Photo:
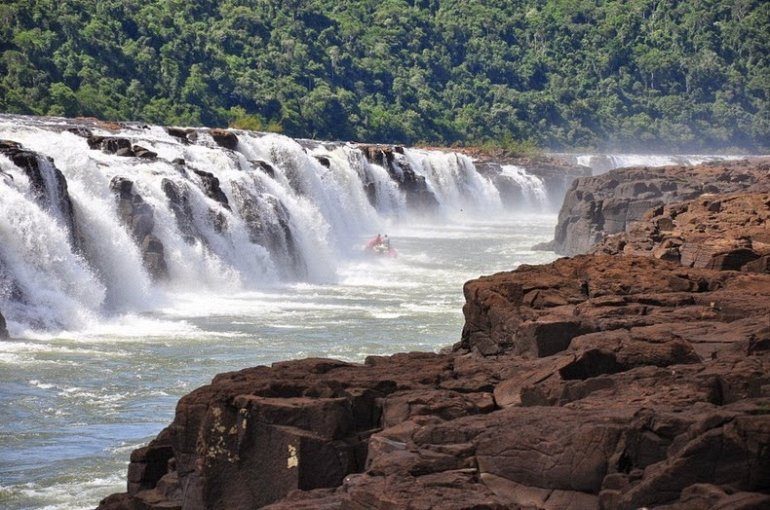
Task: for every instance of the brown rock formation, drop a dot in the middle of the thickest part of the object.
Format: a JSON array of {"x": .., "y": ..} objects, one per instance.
[
  {"x": 224, "y": 138},
  {"x": 595, "y": 382},
  {"x": 726, "y": 232},
  {"x": 595, "y": 207}
]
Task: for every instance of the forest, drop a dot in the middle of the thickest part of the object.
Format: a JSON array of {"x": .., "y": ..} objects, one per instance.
[{"x": 647, "y": 75}]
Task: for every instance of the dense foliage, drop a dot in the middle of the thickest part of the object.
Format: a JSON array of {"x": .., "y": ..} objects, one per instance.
[{"x": 654, "y": 74}]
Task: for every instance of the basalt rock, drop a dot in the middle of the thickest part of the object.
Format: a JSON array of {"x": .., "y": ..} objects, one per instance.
[
  {"x": 556, "y": 174},
  {"x": 184, "y": 135},
  {"x": 47, "y": 184},
  {"x": 724, "y": 232},
  {"x": 224, "y": 138},
  {"x": 268, "y": 224},
  {"x": 139, "y": 218},
  {"x": 391, "y": 158},
  {"x": 596, "y": 207},
  {"x": 110, "y": 144},
  {"x": 3, "y": 328},
  {"x": 211, "y": 187},
  {"x": 652, "y": 390},
  {"x": 537, "y": 311}
]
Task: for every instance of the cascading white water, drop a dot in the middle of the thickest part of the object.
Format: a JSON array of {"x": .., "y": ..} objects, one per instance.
[
  {"x": 533, "y": 188},
  {"x": 454, "y": 181},
  {"x": 602, "y": 163},
  {"x": 273, "y": 210}
]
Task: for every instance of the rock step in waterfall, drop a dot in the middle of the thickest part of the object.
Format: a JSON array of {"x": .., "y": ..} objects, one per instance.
[{"x": 100, "y": 218}]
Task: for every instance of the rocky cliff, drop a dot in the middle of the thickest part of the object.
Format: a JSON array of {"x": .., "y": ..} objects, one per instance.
[
  {"x": 595, "y": 207},
  {"x": 594, "y": 382}
]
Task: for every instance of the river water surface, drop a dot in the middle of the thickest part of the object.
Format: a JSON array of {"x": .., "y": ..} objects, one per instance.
[{"x": 74, "y": 405}]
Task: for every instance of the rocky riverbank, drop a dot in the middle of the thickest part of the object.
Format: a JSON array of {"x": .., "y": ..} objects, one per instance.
[
  {"x": 612, "y": 381},
  {"x": 595, "y": 207}
]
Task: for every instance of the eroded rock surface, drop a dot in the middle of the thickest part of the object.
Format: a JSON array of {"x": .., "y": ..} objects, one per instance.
[
  {"x": 595, "y": 207},
  {"x": 595, "y": 382},
  {"x": 726, "y": 232}
]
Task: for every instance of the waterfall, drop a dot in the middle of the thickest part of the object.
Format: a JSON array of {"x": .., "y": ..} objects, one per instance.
[
  {"x": 602, "y": 163},
  {"x": 534, "y": 196},
  {"x": 99, "y": 220}
]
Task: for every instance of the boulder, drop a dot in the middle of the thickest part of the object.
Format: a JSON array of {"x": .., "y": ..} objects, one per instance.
[
  {"x": 110, "y": 144},
  {"x": 211, "y": 187},
  {"x": 184, "y": 135},
  {"x": 141, "y": 152},
  {"x": 224, "y": 138}
]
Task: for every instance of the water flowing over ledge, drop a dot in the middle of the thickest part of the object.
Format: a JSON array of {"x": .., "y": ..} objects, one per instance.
[{"x": 101, "y": 218}]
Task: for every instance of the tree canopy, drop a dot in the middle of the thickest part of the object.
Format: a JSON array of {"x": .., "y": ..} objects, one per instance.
[{"x": 642, "y": 74}]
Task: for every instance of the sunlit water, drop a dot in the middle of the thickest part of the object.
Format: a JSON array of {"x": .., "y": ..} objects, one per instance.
[{"x": 72, "y": 407}]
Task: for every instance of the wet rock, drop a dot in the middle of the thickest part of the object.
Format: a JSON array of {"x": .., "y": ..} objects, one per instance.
[
  {"x": 419, "y": 197},
  {"x": 268, "y": 224},
  {"x": 81, "y": 131},
  {"x": 185, "y": 135},
  {"x": 224, "y": 138},
  {"x": 3, "y": 328},
  {"x": 48, "y": 185},
  {"x": 110, "y": 144},
  {"x": 179, "y": 202},
  {"x": 325, "y": 161},
  {"x": 139, "y": 218},
  {"x": 265, "y": 167},
  {"x": 211, "y": 187},
  {"x": 141, "y": 152},
  {"x": 596, "y": 207}
]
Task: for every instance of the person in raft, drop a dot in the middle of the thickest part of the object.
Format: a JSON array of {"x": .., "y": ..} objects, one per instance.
[
  {"x": 381, "y": 246},
  {"x": 373, "y": 242}
]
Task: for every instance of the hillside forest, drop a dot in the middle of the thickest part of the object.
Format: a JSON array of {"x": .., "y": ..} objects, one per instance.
[{"x": 633, "y": 74}]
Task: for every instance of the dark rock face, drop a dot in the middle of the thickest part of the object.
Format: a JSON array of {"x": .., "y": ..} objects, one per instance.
[
  {"x": 595, "y": 207},
  {"x": 268, "y": 223},
  {"x": 179, "y": 202},
  {"x": 211, "y": 187},
  {"x": 224, "y": 138},
  {"x": 418, "y": 196},
  {"x": 119, "y": 146},
  {"x": 3, "y": 328},
  {"x": 139, "y": 219},
  {"x": 724, "y": 232},
  {"x": 109, "y": 144},
  {"x": 48, "y": 185},
  {"x": 185, "y": 135},
  {"x": 608, "y": 382}
]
